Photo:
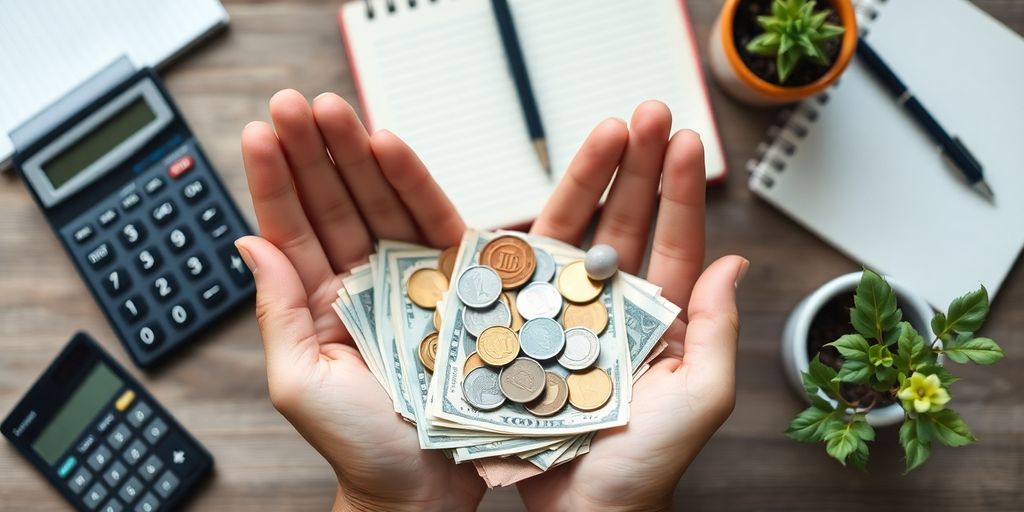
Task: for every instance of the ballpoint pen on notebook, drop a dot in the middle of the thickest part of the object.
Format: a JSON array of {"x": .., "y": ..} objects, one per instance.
[
  {"x": 950, "y": 146},
  {"x": 517, "y": 66}
]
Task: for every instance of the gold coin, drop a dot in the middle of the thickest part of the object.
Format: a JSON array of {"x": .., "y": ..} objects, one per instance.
[
  {"x": 497, "y": 345},
  {"x": 472, "y": 363},
  {"x": 576, "y": 285},
  {"x": 592, "y": 315},
  {"x": 428, "y": 351},
  {"x": 552, "y": 399},
  {"x": 509, "y": 298},
  {"x": 425, "y": 287},
  {"x": 589, "y": 390},
  {"x": 437, "y": 319},
  {"x": 446, "y": 261},
  {"x": 512, "y": 258}
]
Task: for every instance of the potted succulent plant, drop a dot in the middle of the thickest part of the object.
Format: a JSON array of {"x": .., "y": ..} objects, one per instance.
[
  {"x": 769, "y": 52},
  {"x": 884, "y": 364}
]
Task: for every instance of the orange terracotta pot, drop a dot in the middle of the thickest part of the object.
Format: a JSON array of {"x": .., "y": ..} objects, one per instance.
[{"x": 740, "y": 82}]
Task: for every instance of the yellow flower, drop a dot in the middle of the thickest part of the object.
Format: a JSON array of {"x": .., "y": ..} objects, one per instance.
[{"x": 923, "y": 394}]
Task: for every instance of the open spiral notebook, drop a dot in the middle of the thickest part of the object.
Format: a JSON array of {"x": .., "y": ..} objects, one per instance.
[
  {"x": 858, "y": 171},
  {"x": 434, "y": 73}
]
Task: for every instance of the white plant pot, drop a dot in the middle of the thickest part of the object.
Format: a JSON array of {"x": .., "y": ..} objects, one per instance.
[{"x": 794, "y": 336}]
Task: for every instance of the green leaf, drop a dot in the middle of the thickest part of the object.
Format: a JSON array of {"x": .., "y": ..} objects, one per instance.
[
  {"x": 939, "y": 324},
  {"x": 885, "y": 378},
  {"x": 863, "y": 429},
  {"x": 811, "y": 424},
  {"x": 978, "y": 350},
  {"x": 856, "y": 372},
  {"x": 879, "y": 355},
  {"x": 785, "y": 43},
  {"x": 852, "y": 347},
  {"x": 967, "y": 312},
  {"x": 950, "y": 429},
  {"x": 829, "y": 31},
  {"x": 786, "y": 62},
  {"x": 915, "y": 448},
  {"x": 859, "y": 457},
  {"x": 944, "y": 374},
  {"x": 766, "y": 44},
  {"x": 841, "y": 442},
  {"x": 821, "y": 376},
  {"x": 874, "y": 307},
  {"x": 909, "y": 348}
]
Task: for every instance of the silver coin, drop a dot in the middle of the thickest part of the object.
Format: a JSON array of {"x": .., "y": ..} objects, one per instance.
[
  {"x": 482, "y": 389},
  {"x": 542, "y": 338},
  {"x": 582, "y": 348},
  {"x": 476, "y": 320},
  {"x": 478, "y": 286},
  {"x": 545, "y": 266},
  {"x": 539, "y": 300}
]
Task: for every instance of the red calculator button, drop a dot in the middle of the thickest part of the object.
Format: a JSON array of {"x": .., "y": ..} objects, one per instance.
[{"x": 180, "y": 166}]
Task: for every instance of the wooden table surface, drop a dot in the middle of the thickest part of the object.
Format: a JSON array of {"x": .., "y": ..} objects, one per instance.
[{"x": 218, "y": 389}]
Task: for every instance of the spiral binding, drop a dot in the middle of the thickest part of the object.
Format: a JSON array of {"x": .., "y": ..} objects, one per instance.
[
  {"x": 390, "y": 6},
  {"x": 793, "y": 125}
]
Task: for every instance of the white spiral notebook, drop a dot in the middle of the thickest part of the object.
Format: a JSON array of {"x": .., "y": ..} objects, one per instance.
[
  {"x": 858, "y": 171},
  {"x": 434, "y": 72}
]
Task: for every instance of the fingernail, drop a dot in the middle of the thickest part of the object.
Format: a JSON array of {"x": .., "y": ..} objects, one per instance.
[
  {"x": 742, "y": 273},
  {"x": 246, "y": 257},
  {"x": 321, "y": 95}
]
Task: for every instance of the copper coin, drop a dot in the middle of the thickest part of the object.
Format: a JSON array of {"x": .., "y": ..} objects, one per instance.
[
  {"x": 592, "y": 315},
  {"x": 512, "y": 257},
  {"x": 589, "y": 390},
  {"x": 509, "y": 298},
  {"x": 446, "y": 261},
  {"x": 522, "y": 381},
  {"x": 497, "y": 345},
  {"x": 428, "y": 351},
  {"x": 472, "y": 363},
  {"x": 576, "y": 286},
  {"x": 554, "y": 397},
  {"x": 425, "y": 287},
  {"x": 437, "y": 319}
]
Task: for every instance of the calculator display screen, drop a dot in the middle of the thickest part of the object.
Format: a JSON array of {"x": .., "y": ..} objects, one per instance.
[
  {"x": 85, "y": 402},
  {"x": 108, "y": 135}
]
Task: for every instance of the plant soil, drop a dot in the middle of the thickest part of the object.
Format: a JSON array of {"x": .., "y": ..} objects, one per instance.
[
  {"x": 745, "y": 28},
  {"x": 830, "y": 323}
]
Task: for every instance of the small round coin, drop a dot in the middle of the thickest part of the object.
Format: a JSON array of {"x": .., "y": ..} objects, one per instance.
[
  {"x": 509, "y": 298},
  {"x": 545, "y": 266},
  {"x": 472, "y": 363},
  {"x": 554, "y": 397},
  {"x": 592, "y": 315},
  {"x": 478, "y": 286},
  {"x": 476, "y": 320},
  {"x": 513, "y": 259},
  {"x": 582, "y": 348},
  {"x": 539, "y": 300},
  {"x": 576, "y": 285},
  {"x": 497, "y": 345},
  {"x": 437, "y": 320},
  {"x": 522, "y": 381},
  {"x": 446, "y": 261},
  {"x": 428, "y": 351},
  {"x": 542, "y": 338},
  {"x": 481, "y": 389},
  {"x": 590, "y": 390},
  {"x": 425, "y": 287}
]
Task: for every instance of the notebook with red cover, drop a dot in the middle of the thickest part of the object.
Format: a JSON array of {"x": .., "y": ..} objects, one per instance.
[{"x": 434, "y": 73}]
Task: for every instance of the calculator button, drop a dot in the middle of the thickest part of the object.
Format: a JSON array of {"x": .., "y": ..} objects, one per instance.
[
  {"x": 133, "y": 308},
  {"x": 150, "y": 336},
  {"x": 195, "y": 267},
  {"x": 107, "y": 217},
  {"x": 116, "y": 282},
  {"x": 100, "y": 256},
  {"x": 163, "y": 213},
  {"x": 149, "y": 503},
  {"x": 130, "y": 201},
  {"x": 148, "y": 260},
  {"x": 88, "y": 442},
  {"x": 194, "y": 191},
  {"x": 126, "y": 399},
  {"x": 139, "y": 414},
  {"x": 132, "y": 234},
  {"x": 164, "y": 288},
  {"x": 179, "y": 239},
  {"x": 115, "y": 474},
  {"x": 213, "y": 222},
  {"x": 213, "y": 295},
  {"x": 79, "y": 480},
  {"x": 150, "y": 468},
  {"x": 130, "y": 489},
  {"x": 66, "y": 467},
  {"x": 156, "y": 429},
  {"x": 105, "y": 423},
  {"x": 112, "y": 506},
  {"x": 83, "y": 233},
  {"x": 235, "y": 266},
  {"x": 167, "y": 484},
  {"x": 181, "y": 315},
  {"x": 96, "y": 494},
  {"x": 135, "y": 451},
  {"x": 119, "y": 436},
  {"x": 99, "y": 457},
  {"x": 154, "y": 185},
  {"x": 180, "y": 166}
]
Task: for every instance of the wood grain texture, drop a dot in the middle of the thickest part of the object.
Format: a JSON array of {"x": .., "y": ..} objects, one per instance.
[{"x": 218, "y": 388}]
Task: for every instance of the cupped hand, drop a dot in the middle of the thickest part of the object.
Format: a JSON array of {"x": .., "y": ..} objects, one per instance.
[
  {"x": 323, "y": 191},
  {"x": 689, "y": 390}
]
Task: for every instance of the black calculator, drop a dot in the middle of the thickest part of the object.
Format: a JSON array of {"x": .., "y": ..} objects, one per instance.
[
  {"x": 140, "y": 211},
  {"x": 101, "y": 439}
]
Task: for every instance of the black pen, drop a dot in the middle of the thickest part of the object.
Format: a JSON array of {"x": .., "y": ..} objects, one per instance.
[
  {"x": 514, "y": 54},
  {"x": 950, "y": 146}
]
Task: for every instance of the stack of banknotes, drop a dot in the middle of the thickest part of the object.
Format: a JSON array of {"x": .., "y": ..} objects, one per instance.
[{"x": 417, "y": 316}]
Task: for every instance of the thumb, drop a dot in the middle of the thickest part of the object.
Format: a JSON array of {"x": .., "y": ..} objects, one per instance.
[{"x": 713, "y": 330}]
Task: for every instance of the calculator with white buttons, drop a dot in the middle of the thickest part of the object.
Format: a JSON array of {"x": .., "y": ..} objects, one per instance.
[
  {"x": 141, "y": 213},
  {"x": 104, "y": 442}
]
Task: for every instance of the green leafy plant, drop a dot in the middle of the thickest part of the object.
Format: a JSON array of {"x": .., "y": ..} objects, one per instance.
[
  {"x": 888, "y": 354},
  {"x": 794, "y": 31}
]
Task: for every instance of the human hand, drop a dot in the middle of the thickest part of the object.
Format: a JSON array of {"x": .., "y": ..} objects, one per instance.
[
  {"x": 689, "y": 390},
  {"x": 323, "y": 191}
]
